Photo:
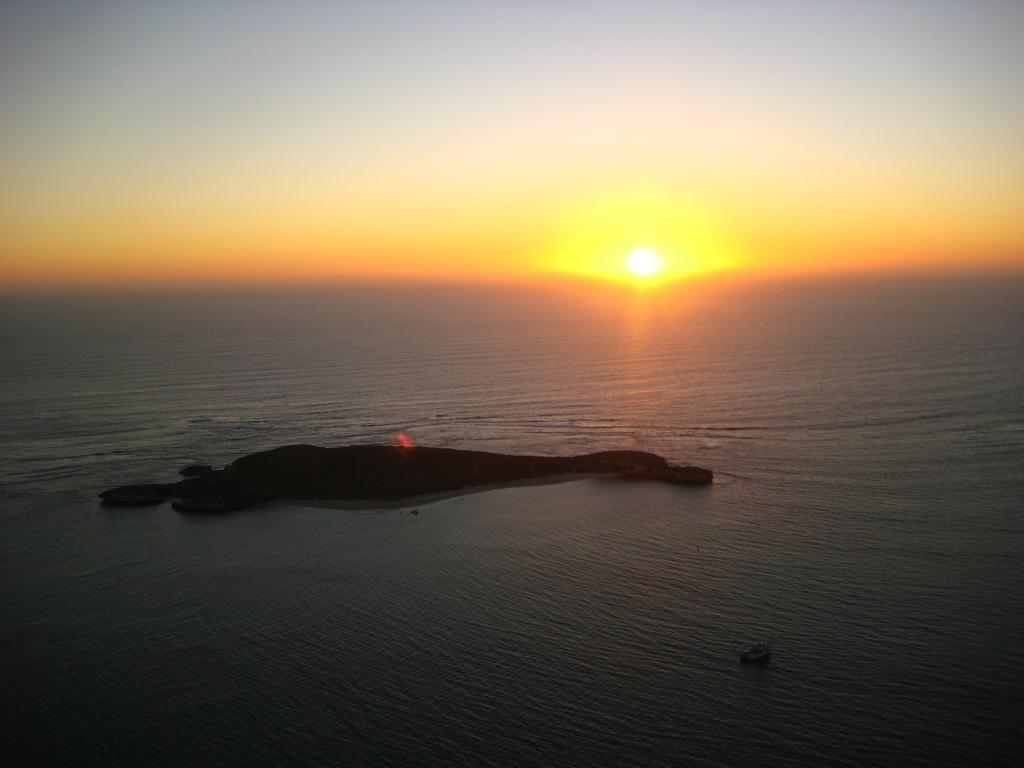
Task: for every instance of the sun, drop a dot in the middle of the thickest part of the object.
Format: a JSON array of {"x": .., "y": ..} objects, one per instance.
[{"x": 643, "y": 262}]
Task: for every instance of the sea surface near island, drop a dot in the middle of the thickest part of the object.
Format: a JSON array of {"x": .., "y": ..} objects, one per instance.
[{"x": 867, "y": 518}]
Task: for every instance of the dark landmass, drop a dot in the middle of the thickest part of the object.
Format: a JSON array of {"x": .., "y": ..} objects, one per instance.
[
  {"x": 377, "y": 472},
  {"x": 196, "y": 470}
]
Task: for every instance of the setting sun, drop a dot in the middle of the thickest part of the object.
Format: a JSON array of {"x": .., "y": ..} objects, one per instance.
[
  {"x": 643, "y": 262},
  {"x": 639, "y": 236}
]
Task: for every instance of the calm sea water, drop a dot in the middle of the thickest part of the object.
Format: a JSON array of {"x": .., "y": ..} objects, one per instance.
[{"x": 868, "y": 440}]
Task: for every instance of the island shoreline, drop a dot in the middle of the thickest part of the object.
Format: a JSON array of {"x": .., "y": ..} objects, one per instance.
[
  {"x": 423, "y": 500},
  {"x": 380, "y": 476}
]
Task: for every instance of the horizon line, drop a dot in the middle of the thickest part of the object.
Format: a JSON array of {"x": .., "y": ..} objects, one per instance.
[{"x": 524, "y": 280}]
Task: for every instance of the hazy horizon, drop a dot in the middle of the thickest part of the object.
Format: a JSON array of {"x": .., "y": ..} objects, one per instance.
[{"x": 580, "y": 283}]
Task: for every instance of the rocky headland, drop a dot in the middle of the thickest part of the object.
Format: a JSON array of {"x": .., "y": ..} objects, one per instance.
[{"x": 363, "y": 473}]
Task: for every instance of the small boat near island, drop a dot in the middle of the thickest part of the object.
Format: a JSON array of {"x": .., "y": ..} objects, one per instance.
[{"x": 758, "y": 652}]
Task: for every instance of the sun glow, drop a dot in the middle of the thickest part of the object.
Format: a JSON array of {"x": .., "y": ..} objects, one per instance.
[
  {"x": 643, "y": 262},
  {"x": 642, "y": 237}
]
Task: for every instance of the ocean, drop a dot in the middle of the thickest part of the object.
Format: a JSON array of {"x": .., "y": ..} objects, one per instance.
[{"x": 867, "y": 518}]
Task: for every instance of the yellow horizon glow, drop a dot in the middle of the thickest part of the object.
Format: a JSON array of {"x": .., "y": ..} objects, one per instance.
[
  {"x": 501, "y": 235},
  {"x": 680, "y": 240}
]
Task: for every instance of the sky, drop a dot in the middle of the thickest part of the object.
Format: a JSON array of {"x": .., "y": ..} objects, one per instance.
[{"x": 299, "y": 140}]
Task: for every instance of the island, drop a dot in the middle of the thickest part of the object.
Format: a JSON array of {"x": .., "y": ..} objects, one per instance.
[{"x": 382, "y": 473}]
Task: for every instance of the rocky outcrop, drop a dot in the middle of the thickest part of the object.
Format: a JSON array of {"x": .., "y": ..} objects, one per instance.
[
  {"x": 376, "y": 472},
  {"x": 136, "y": 495},
  {"x": 196, "y": 470}
]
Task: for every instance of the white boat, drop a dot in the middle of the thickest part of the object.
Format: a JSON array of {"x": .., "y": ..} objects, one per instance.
[{"x": 759, "y": 652}]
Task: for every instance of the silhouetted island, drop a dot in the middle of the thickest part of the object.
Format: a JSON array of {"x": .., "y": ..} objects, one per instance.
[{"x": 383, "y": 473}]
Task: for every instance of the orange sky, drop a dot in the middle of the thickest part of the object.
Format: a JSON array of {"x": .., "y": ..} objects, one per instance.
[{"x": 305, "y": 141}]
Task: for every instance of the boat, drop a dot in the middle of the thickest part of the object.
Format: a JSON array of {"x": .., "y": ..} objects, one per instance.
[{"x": 759, "y": 652}]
